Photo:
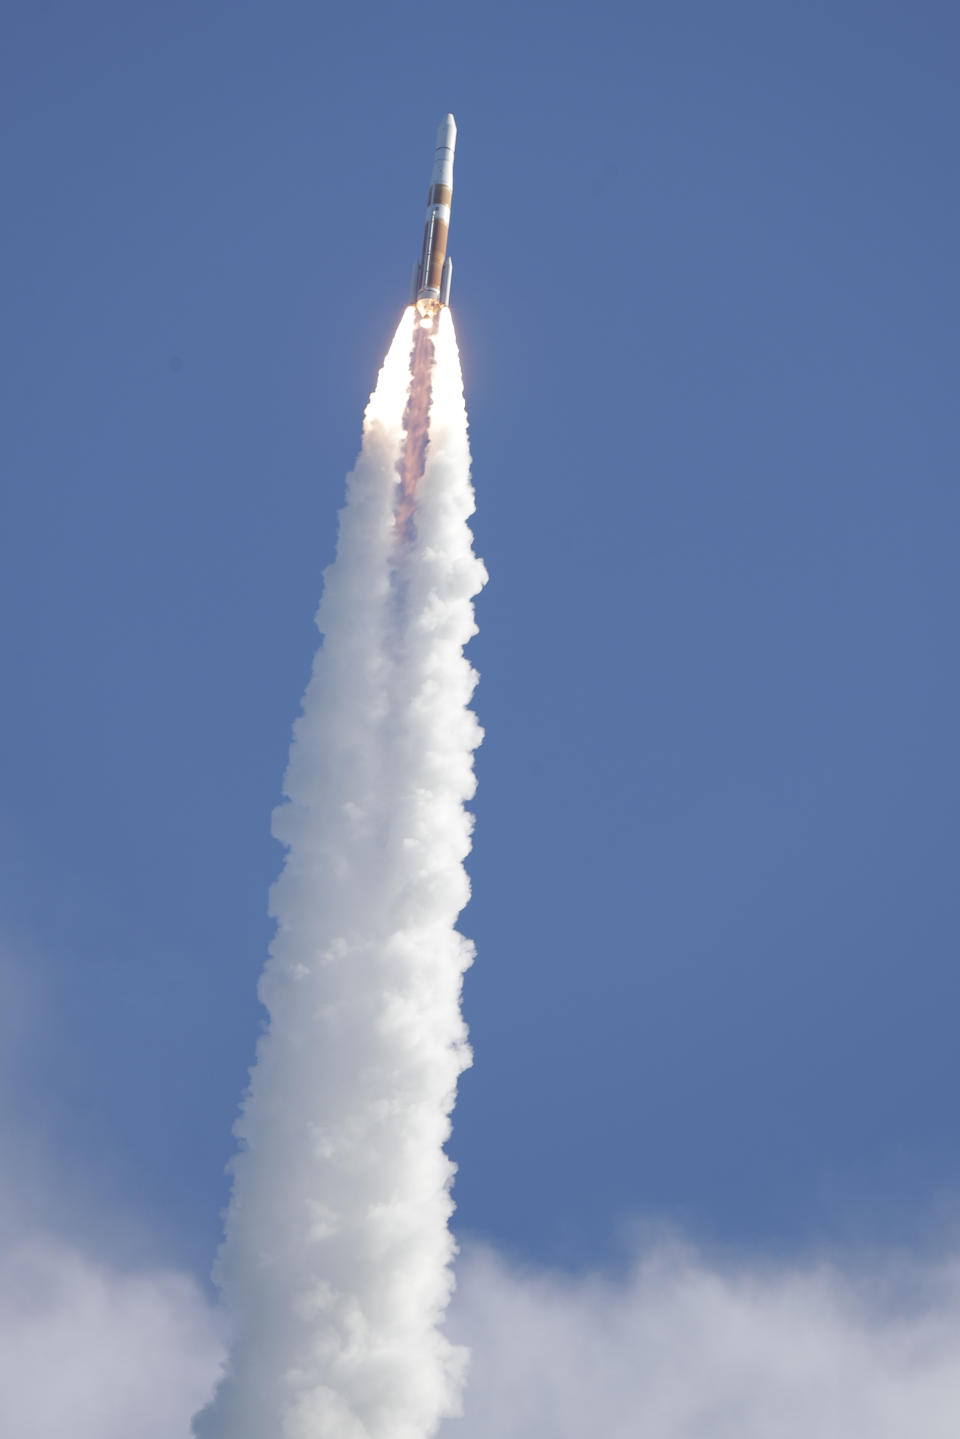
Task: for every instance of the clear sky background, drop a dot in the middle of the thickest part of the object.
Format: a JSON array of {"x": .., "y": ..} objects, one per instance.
[{"x": 706, "y": 294}]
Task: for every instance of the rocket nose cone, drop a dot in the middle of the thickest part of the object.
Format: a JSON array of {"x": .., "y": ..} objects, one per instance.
[{"x": 447, "y": 132}]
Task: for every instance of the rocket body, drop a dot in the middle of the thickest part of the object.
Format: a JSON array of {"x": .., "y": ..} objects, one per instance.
[{"x": 433, "y": 273}]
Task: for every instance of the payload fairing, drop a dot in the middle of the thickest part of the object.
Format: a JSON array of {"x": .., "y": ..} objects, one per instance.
[{"x": 434, "y": 271}]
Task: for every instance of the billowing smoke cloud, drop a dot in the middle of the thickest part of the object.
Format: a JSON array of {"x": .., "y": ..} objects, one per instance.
[
  {"x": 336, "y": 1263},
  {"x": 679, "y": 1348}
]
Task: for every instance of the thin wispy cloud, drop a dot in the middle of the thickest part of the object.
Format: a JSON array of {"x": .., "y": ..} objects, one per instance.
[{"x": 682, "y": 1348}]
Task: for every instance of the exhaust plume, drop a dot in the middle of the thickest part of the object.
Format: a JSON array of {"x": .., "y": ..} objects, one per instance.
[{"x": 336, "y": 1262}]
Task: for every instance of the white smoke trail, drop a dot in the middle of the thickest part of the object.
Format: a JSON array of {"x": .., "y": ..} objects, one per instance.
[{"x": 336, "y": 1260}]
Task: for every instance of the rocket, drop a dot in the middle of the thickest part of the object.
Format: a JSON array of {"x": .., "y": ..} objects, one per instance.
[{"x": 434, "y": 270}]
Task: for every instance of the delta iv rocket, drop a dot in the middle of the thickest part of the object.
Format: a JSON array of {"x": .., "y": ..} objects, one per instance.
[{"x": 434, "y": 270}]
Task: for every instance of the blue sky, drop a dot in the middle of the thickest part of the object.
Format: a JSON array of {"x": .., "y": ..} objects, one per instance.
[{"x": 705, "y": 289}]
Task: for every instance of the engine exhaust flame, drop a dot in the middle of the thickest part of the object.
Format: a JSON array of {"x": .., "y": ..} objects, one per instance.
[{"x": 415, "y": 422}]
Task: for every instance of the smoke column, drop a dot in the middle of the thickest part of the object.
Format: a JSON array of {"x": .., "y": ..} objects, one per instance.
[{"x": 335, "y": 1265}]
